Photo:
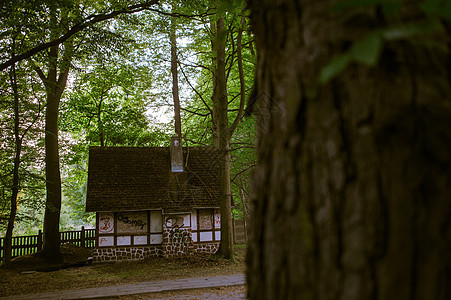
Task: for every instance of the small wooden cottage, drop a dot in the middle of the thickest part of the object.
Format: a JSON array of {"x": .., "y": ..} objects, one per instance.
[{"x": 149, "y": 205}]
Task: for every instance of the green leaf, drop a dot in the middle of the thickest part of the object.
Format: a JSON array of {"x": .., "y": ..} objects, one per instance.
[
  {"x": 411, "y": 29},
  {"x": 337, "y": 65},
  {"x": 226, "y": 6},
  {"x": 367, "y": 51}
]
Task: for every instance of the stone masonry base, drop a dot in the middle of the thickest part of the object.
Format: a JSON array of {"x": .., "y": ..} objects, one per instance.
[
  {"x": 143, "y": 252},
  {"x": 126, "y": 253}
]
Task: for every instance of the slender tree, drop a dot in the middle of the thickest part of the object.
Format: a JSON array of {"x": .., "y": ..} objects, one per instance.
[
  {"x": 220, "y": 107},
  {"x": 7, "y": 247},
  {"x": 59, "y": 57},
  {"x": 202, "y": 111},
  {"x": 55, "y": 82},
  {"x": 23, "y": 119},
  {"x": 219, "y": 110},
  {"x": 222, "y": 133},
  {"x": 174, "y": 72},
  {"x": 225, "y": 46},
  {"x": 351, "y": 195}
]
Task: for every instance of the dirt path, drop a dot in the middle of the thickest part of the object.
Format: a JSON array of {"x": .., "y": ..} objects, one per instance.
[
  {"x": 222, "y": 293},
  {"x": 13, "y": 282},
  {"x": 187, "y": 286}
]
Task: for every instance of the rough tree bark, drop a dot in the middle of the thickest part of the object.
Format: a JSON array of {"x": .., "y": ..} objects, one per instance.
[{"x": 351, "y": 198}]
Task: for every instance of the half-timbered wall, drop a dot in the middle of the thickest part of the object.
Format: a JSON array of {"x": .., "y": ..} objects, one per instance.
[
  {"x": 206, "y": 226},
  {"x": 140, "y": 234},
  {"x": 139, "y": 228}
]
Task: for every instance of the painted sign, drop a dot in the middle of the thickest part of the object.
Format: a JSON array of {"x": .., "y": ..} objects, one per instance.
[
  {"x": 132, "y": 222},
  {"x": 177, "y": 221},
  {"x": 123, "y": 240},
  {"x": 106, "y": 223},
  {"x": 105, "y": 241},
  {"x": 217, "y": 219},
  {"x": 205, "y": 219}
]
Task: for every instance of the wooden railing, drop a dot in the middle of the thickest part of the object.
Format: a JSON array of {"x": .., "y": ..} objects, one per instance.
[
  {"x": 23, "y": 245},
  {"x": 85, "y": 238}
]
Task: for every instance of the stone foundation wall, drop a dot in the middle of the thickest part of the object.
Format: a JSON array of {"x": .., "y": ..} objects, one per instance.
[
  {"x": 206, "y": 247},
  {"x": 178, "y": 242},
  {"x": 175, "y": 243},
  {"x": 126, "y": 253}
]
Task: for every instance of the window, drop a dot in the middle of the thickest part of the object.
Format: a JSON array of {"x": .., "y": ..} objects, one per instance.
[
  {"x": 129, "y": 228},
  {"x": 156, "y": 227},
  {"x": 205, "y": 219},
  {"x": 207, "y": 226}
]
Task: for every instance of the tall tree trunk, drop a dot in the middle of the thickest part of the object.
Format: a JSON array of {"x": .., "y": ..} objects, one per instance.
[
  {"x": 222, "y": 133},
  {"x": 51, "y": 240},
  {"x": 55, "y": 83},
  {"x": 220, "y": 109},
  {"x": 7, "y": 247},
  {"x": 351, "y": 197},
  {"x": 214, "y": 71},
  {"x": 100, "y": 122}
]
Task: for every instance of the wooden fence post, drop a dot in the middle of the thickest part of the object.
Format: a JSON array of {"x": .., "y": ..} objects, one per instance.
[
  {"x": 82, "y": 238},
  {"x": 40, "y": 240}
]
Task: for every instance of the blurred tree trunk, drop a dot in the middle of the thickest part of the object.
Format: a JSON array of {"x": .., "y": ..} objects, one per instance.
[{"x": 351, "y": 198}]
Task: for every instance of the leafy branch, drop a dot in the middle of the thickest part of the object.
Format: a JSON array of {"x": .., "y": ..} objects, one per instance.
[{"x": 88, "y": 21}]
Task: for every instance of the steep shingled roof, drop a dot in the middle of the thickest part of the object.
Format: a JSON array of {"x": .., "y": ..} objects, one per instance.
[{"x": 140, "y": 178}]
